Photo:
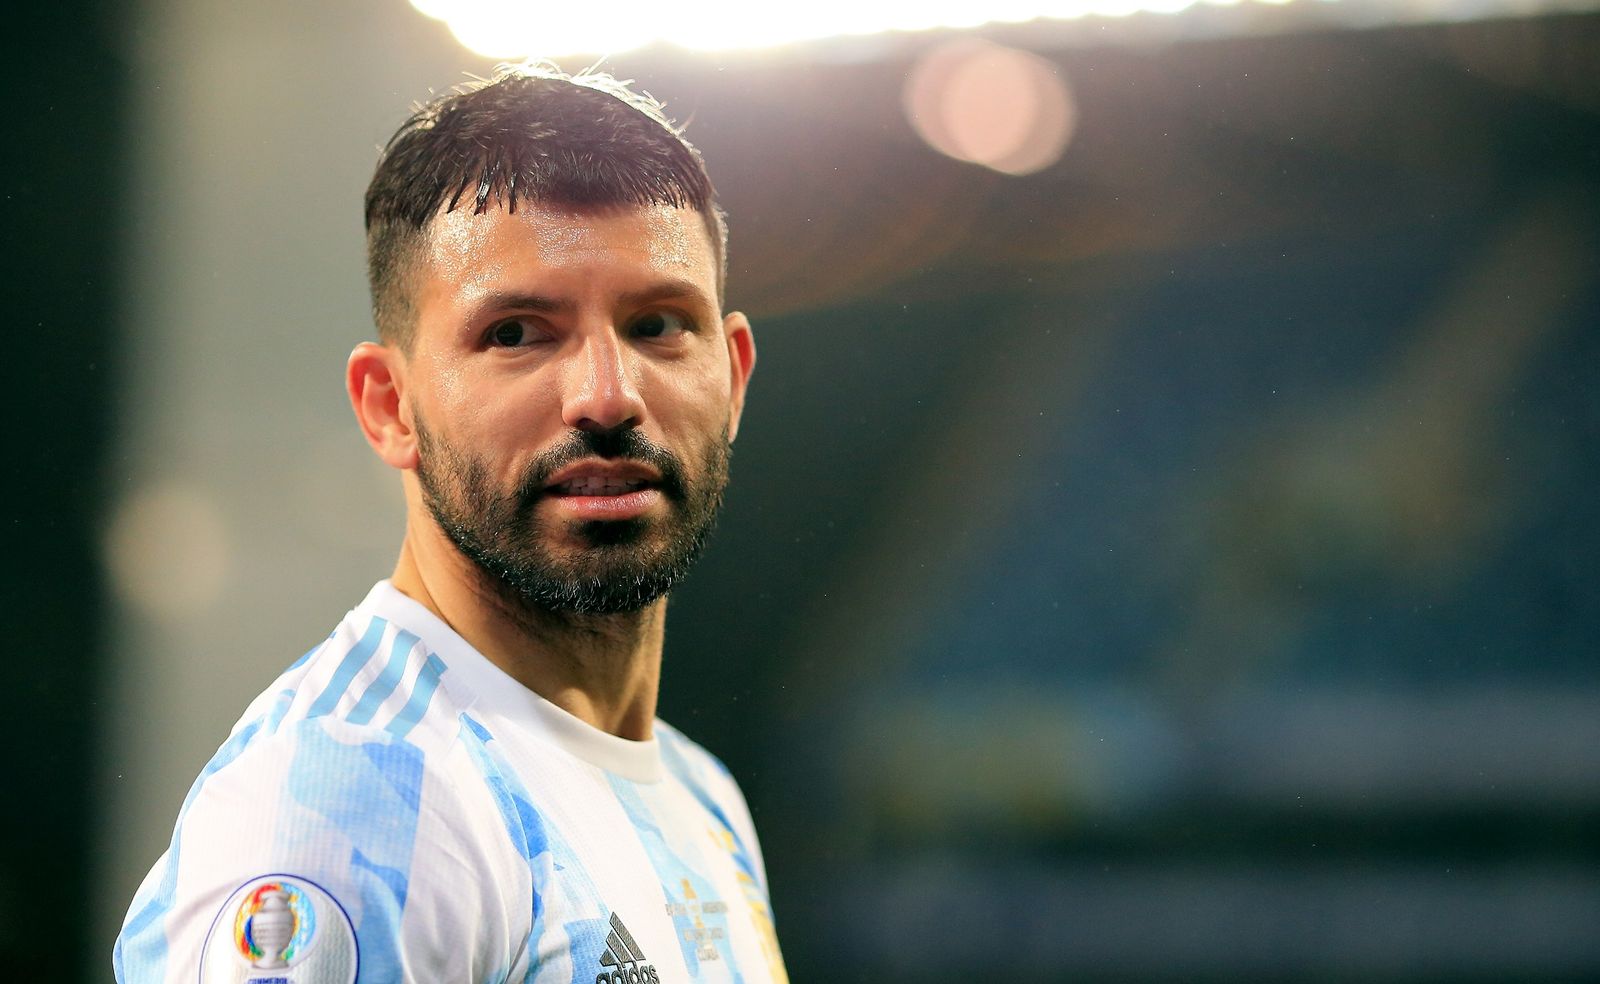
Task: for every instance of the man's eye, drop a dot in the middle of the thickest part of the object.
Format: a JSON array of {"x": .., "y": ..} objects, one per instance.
[
  {"x": 661, "y": 324},
  {"x": 512, "y": 333}
]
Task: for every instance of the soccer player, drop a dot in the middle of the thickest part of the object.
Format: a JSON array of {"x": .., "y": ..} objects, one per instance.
[{"x": 466, "y": 782}]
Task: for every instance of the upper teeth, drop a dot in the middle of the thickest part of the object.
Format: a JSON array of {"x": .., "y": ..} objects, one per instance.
[{"x": 598, "y": 485}]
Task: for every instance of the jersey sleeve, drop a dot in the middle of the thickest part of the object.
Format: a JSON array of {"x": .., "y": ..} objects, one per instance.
[{"x": 337, "y": 851}]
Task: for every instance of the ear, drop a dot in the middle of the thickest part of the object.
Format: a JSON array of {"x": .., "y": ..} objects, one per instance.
[
  {"x": 375, "y": 379},
  {"x": 742, "y": 360}
]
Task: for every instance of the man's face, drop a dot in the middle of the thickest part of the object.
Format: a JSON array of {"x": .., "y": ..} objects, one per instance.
[{"x": 574, "y": 389}]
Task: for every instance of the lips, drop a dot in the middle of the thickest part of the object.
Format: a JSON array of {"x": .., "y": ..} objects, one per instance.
[{"x": 604, "y": 491}]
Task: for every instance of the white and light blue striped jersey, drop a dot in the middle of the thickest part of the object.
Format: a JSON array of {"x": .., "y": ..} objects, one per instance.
[{"x": 395, "y": 808}]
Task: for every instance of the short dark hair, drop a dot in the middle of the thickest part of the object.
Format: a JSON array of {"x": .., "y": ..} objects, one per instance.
[{"x": 531, "y": 133}]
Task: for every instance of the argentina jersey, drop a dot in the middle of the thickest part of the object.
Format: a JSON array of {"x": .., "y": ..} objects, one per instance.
[{"x": 395, "y": 808}]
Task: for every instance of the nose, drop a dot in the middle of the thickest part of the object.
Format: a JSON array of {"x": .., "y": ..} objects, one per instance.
[{"x": 602, "y": 393}]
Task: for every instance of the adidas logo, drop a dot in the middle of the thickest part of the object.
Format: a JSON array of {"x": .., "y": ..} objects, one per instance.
[{"x": 624, "y": 958}]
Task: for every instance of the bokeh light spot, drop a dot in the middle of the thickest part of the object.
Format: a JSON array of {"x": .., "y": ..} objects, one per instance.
[
  {"x": 977, "y": 101},
  {"x": 168, "y": 550}
]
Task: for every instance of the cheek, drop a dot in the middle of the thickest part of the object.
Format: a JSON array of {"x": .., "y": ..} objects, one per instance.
[
  {"x": 481, "y": 394},
  {"x": 493, "y": 416},
  {"x": 693, "y": 402},
  {"x": 442, "y": 386}
]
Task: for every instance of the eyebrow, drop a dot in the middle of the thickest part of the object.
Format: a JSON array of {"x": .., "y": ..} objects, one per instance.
[
  {"x": 668, "y": 289},
  {"x": 663, "y": 290}
]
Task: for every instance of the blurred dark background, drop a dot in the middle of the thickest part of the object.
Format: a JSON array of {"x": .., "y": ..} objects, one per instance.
[{"x": 1172, "y": 563}]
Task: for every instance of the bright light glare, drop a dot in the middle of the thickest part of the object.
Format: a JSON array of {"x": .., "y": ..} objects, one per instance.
[{"x": 522, "y": 28}]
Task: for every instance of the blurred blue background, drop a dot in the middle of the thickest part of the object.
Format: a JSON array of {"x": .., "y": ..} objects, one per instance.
[{"x": 1175, "y": 562}]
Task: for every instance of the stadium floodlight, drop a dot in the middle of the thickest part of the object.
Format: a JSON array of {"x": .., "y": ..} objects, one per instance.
[
  {"x": 513, "y": 29},
  {"x": 519, "y": 28}
]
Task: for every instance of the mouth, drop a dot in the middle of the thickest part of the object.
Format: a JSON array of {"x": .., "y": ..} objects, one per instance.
[
  {"x": 598, "y": 485},
  {"x": 605, "y": 490}
]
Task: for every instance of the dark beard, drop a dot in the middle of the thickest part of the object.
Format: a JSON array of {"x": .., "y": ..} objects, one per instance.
[{"x": 627, "y": 564}]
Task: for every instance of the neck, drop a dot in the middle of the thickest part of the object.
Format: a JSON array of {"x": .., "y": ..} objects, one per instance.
[{"x": 603, "y": 669}]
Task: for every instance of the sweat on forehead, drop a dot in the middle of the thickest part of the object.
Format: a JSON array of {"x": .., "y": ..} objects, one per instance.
[{"x": 544, "y": 240}]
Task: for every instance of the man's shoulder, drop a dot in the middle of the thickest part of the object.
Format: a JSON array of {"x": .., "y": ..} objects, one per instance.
[
  {"x": 360, "y": 811},
  {"x": 697, "y": 768},
  {"x": 334, "y": 775},
  {"x": 376, "y": 676},
  {"x": 363, "y": 709},
  {"x": 684, "y": 754},
  {"x": 282, "y": 767},
  {"x": 712, "y": 784}
]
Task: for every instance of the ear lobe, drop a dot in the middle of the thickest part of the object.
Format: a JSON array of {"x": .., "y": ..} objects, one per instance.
[
  {"x": 375, "y": 380},
  {"x": 741, "y": 361}
]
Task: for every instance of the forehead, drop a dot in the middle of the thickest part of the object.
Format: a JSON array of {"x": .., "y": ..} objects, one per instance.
[{"x": 553, "y": 247}]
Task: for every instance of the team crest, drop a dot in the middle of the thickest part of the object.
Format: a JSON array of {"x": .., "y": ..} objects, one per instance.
[{"x": 280, "y": 929}]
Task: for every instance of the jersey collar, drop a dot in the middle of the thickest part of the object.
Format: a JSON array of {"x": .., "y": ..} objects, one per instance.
[{"x": 478, "y": 682}]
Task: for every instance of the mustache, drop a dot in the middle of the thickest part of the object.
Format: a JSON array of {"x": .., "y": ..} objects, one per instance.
[{"x": 612, "y": 445}]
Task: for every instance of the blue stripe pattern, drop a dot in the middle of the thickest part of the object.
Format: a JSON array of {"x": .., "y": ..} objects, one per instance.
[
  {"x": 674, "y": 872},
  {"x": 384, "y": 685},
  {"x": 141, "y": 950},
  {"x": 678, "y": 763},
  {"x": 421, "y": 696},
  {"x": 352, "y": 663},
  {"x": 280, "y": 709},
  {"x": 522, "y": 822},
  {"x": 371, "y": 793}
]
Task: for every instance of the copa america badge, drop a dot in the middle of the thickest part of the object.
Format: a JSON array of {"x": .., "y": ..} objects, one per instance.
[{"x": 280, "y": 929}]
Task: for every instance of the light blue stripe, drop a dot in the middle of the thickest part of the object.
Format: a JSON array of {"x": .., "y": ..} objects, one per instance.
[
  {"x": 387, "y": 680},
  {"x": 421, "y": 695},
  {"x": 140, "y": 954},
  {"x": 280, "y": 708},
  {"x": 370, "y": 794},
  {"x": 352, "y": 663},
  {"x": 674, "y": 871},
  {"x": 526, "y": 829},
  {"x": 675, "y": 755}
]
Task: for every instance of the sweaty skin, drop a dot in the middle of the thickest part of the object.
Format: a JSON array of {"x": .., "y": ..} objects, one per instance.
[{"x": 616, "y": 325}]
